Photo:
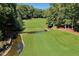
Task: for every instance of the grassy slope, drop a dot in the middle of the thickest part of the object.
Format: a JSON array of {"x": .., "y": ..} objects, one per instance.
[{"x": 53, "y": 42}]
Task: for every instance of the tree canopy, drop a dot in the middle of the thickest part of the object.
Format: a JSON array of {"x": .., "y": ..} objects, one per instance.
[
  {"x": 9, "y": 23},
  {"x": 65, "y": 14},
  {"x": 27, "y": 12}
]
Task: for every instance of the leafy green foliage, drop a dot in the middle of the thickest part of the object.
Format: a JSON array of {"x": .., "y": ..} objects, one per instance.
[
  {"x": 9, "y": 22},
  {"x": 66, "y": 14},
  {"x": 28, "y": 12}
]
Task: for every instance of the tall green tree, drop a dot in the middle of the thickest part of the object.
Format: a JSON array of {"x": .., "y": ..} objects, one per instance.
[{"x": 9, "y": 25}]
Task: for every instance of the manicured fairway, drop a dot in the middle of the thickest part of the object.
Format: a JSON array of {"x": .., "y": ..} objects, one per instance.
[
  {"x": 34, "y": 24},
  {"x": 51, "y": 43}
]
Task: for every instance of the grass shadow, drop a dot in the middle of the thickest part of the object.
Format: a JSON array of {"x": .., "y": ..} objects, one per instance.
[{"x": 34, "y": 32}]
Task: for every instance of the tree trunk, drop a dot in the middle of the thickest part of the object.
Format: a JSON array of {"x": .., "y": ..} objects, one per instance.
[
  {"x": 53, "y": 25},
  {"x": 65, "y": 26},
  {"x": 68, "y": 27},
  {"x": 72, "y": 22},
  {"x": 72, "y": 26}
]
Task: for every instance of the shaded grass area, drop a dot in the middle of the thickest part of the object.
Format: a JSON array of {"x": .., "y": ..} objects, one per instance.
[{"x": 51, "y": 43}]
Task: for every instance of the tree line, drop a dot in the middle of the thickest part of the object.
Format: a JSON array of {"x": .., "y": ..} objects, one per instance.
[
  {"x": 28, "y": 12},
  {"x": 64, "y": 15}
]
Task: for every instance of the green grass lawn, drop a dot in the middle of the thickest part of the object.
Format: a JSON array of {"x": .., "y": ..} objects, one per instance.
[
  {"x": 51, "y": 43},
  {"x": 34, "y": 24}
]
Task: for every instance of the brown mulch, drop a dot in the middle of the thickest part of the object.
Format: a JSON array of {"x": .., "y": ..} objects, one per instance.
[{"x": 69, "y": 30}]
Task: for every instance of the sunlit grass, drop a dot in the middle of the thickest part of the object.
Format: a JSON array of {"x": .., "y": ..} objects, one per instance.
[{"x": 51, "y": 43}]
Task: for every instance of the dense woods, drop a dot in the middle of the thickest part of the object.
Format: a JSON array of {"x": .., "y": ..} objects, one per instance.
[{"x": 64, "y": 15}]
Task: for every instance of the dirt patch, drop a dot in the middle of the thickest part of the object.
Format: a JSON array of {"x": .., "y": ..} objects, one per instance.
[{"x": 69, "y": 30}]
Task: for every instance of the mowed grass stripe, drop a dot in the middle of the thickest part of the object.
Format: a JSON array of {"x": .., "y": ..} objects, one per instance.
[{"x": 51, "y": 43}]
